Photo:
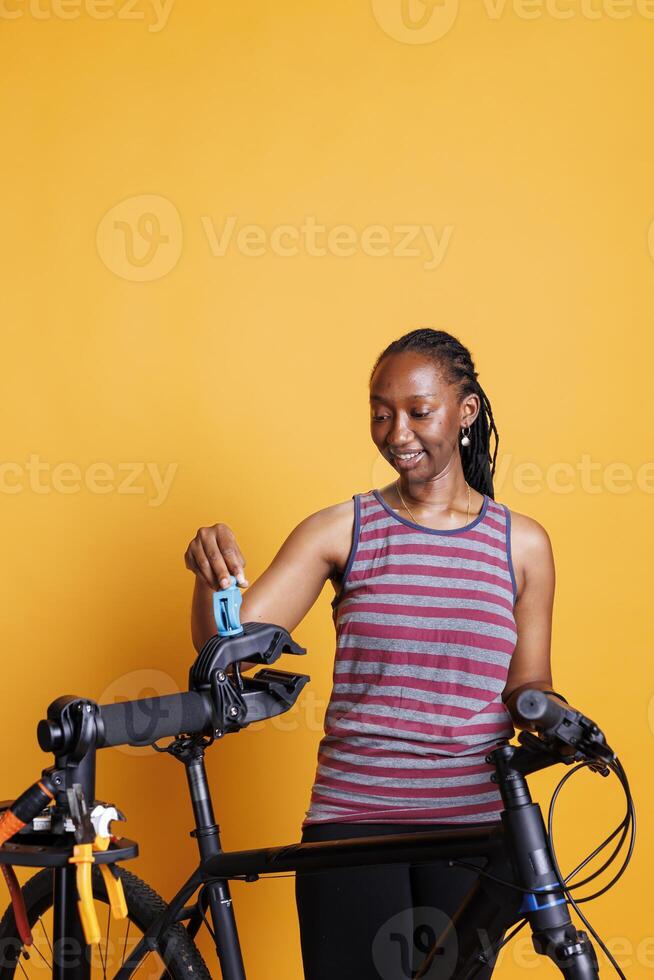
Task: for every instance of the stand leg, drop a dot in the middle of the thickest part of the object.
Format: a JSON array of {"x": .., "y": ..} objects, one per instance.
[
  {"x": 207, "y": 834},
  {"x": 70, "y": 954}
]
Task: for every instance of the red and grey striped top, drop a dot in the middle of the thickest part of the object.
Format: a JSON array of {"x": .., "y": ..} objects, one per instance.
[{"x": 424, "y": 636}]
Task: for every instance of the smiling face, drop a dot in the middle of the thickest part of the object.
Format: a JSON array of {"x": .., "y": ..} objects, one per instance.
[{"x": 416, "y": 415}]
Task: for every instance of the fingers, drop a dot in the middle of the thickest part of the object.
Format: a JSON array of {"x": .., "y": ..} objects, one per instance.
[
  {"x": 231, "y": 556},
  {"x": 213, "y": 555},
  {"x": 196, "y": 561}
]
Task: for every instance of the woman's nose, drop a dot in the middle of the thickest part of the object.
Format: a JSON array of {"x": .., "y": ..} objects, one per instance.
[{"x": 399, "y": 432}]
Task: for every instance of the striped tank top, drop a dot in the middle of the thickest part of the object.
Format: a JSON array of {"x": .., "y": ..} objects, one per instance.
[{"x": 425, "y": 631}]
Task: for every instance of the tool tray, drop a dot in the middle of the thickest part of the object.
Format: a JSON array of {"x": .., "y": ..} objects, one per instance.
[{"x": 46, "y": 849}]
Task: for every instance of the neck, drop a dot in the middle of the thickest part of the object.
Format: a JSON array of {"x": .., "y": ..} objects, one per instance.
[{"x": 443, "y": 492}]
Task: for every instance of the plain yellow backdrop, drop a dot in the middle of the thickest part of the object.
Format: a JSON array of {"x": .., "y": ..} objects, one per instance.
[{"x": 214, "y": 217}]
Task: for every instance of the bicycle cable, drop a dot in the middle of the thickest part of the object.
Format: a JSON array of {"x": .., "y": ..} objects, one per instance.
[
  {"x": 622, "y": 776},
  {"x": 630, "y": 817}
]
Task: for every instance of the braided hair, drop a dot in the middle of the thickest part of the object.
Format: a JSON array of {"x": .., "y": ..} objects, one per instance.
[{"x": 457, "y": 365}]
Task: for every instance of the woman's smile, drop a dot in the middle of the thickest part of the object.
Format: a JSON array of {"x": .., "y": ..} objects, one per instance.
[{"x": 406, "y": 461}]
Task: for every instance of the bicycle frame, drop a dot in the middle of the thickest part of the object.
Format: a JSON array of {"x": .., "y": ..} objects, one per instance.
[
  {"x": 216, "y": 867},
  {"x": 76, "y": 727},
  {"x": 521, "y": 835}
]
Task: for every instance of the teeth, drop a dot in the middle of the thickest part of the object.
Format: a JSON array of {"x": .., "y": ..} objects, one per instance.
[{"x": 407, "y": 455}]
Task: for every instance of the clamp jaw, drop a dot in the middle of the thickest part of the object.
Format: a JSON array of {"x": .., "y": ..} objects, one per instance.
[{"x": 238, "y": 701}]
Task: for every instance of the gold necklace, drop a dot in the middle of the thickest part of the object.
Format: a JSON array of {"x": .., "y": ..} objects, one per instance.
[{"x": 397, "y": 485}]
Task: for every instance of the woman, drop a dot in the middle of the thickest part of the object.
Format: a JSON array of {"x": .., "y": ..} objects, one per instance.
[{"x": 443, "y": 613}]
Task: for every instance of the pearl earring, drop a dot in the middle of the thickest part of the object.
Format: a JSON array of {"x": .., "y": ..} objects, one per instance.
[{"x": 465, "y": 438}]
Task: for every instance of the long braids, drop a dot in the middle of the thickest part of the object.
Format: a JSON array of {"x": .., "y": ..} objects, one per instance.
[{"x": 457, "y": 365}]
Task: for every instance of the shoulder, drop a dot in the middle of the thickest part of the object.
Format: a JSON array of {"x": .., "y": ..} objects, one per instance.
[
  {"x": 331, "y": 530},
  {"x": 528, "y": 534},
  {"x": 531, "y": 549},
  {"x": 332, "y": 517}
]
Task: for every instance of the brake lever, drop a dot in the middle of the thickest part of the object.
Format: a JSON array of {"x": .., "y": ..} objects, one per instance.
[{"x": 581, "y": 735}]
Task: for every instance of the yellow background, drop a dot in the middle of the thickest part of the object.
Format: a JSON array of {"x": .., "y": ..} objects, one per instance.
[{"x": 524, "y": 131}]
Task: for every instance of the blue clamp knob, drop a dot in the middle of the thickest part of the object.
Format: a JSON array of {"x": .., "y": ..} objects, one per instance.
[{"x": 226, "y": 605}]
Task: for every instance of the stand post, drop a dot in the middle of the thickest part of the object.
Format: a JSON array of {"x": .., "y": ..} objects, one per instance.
[
  {"x": 71, "y": 956},
  {"x": 207, "y": 834}
]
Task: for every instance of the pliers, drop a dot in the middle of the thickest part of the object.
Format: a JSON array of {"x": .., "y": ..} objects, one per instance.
[
  {"x": 93, "y": 835},
  {"x": 101, "y": 818}
]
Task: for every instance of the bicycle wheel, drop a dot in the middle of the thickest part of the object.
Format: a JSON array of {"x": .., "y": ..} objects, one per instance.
[{"x": 118, "y": 939}]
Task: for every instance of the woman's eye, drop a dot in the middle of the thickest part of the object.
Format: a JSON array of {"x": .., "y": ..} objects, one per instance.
[{"x": 417, "y": 415}]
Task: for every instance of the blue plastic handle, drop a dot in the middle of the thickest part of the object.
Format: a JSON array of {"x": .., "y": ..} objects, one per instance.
[{"x": 226, "y": 605}]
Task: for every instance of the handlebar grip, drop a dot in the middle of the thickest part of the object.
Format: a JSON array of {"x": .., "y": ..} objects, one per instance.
[
  {"x": 534, "y": 706},
  {"x": 145, "y": 721}
]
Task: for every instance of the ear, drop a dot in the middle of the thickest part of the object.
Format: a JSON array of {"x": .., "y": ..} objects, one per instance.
[{"x": 469, "y": 408}]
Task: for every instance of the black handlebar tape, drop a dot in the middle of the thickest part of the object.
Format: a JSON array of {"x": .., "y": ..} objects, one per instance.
[
  {"x": 144, "y": 722},
  {"x": 536, "y": 707}
]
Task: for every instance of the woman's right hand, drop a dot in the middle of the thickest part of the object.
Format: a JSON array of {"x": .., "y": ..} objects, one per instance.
[{"x": 213, "y": 555}]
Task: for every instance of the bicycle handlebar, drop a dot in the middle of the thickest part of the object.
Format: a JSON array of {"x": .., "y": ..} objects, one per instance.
[
  {"x": 218, "y": 701},
  {"x": 534, "y": 706},
  {"x": 557, "y": 725}
]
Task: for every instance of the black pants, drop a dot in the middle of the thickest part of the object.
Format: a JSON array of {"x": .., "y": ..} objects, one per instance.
[{"x": 378, "y": 923}]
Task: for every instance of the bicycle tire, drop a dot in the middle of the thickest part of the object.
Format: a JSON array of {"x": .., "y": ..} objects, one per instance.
[{"x": 182, "y": 957}]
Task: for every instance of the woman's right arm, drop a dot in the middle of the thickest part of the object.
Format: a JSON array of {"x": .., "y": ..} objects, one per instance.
[{"x": 312, "y": 553}]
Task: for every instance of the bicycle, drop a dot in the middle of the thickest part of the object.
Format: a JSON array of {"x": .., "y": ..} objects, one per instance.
[{"x": 50, "y": 826}]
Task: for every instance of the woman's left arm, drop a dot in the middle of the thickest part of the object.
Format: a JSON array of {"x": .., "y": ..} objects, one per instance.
[{"x": 533, "y": 564}]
